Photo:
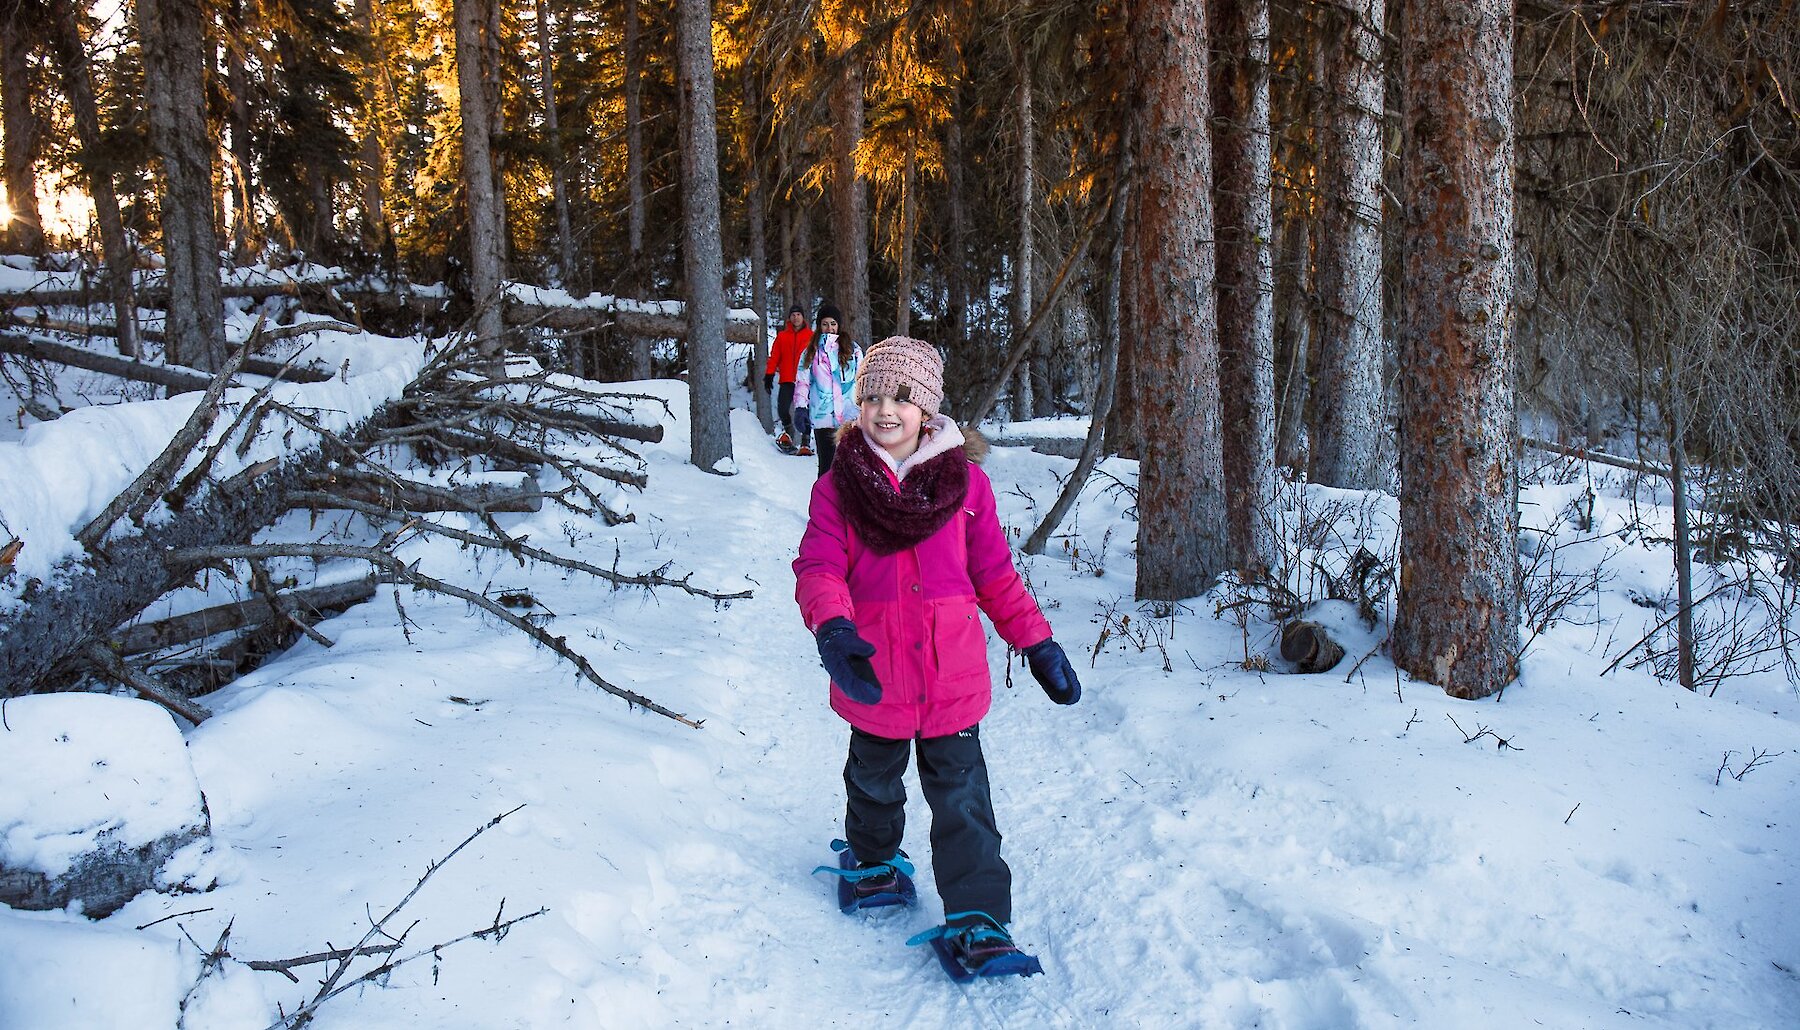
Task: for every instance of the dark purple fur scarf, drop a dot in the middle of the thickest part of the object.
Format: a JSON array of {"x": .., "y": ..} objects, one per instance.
[{"x": 888, "y": 522}]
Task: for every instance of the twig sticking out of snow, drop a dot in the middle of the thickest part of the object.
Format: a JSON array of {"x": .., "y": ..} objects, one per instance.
[{"x": 331, "y": 987}]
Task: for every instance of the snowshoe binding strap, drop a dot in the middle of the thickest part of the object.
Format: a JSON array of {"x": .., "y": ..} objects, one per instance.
[
  {"x": 898, "y": 864},
  {"x": 979, "y": 945}
]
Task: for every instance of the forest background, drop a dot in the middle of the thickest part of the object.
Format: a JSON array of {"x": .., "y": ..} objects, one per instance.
[{"x": 1378, "y": 247}]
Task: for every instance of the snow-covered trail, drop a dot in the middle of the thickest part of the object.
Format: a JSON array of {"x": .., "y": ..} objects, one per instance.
[{"x": 1207, "y": 847}]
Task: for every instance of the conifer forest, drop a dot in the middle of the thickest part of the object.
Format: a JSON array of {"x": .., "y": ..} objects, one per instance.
[{"x": 1412, "y": 246}]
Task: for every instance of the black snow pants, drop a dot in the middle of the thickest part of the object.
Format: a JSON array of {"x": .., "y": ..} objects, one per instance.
[
  {"x": 784, "y": 408},
  {"x": 965, "y": 844}
]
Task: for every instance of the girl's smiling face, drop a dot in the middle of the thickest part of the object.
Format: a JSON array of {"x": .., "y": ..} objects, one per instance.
[{"x": 893, "y": 424}]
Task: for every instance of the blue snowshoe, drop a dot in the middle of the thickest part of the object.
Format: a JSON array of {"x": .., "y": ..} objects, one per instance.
[
  {"x": 973, "y": 945},
  {"x": 864, "y": 885}
]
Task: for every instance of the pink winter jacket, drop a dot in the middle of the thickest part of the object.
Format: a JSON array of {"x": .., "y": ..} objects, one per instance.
[{"x": 918, "y": 607}]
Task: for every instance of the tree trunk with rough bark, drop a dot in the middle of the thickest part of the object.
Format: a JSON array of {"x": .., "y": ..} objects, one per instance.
[
  {"x": 637, "y": 202},
  {"x": 956, "y": 241},
  {"x": 1293, "y": 336},
  {"x": 486, "y": 245},
  {"x": 1347, "y": 396},
  {"x": 23, "y": 233},
  {"x": 245, "y": 227},
  {"x": 377, "y": 234},
  {"x": 756, "y": 211},
  {"x": 1182, "y": 543},
  {"x": 849, "y": 191},
  {"x": 175, "y": 46},
  {"x": 1023, "y": 404},
  {"x": 908, "y": 207},
  {"x": 1458, "y": 618},
  {"x": 709, "y": 405},
  {"x": 1243, "y": 184},
  {"x": 574, "y": 278}
]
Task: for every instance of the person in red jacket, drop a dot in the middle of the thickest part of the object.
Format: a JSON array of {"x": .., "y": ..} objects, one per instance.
[
  {"x": 902, "y": 555},
  {"x": 784, "y": 358}
]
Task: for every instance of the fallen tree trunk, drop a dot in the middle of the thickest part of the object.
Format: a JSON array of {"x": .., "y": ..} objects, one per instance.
[
  {"x": 156, "y": 294},
  {"x": 631, "y": 322},
  {"x": 475, "y": 497},
  {"x": 154, "y": 636},
  {"x": 47, "y": 637},
  {"x": 174, "y": 378}
]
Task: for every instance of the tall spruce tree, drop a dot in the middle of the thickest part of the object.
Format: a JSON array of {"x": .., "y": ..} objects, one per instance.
[
  {"x": 709, "y": 405},
  {"x": 1242, "y": 183},
  {"x": 1458, "y": 619},
  {"x": 1172, "y": 311},
  {"x": 1347, "y": 393}
]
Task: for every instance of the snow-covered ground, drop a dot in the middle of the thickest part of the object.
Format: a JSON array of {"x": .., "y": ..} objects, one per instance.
[{"x": 1195, "y": 844}]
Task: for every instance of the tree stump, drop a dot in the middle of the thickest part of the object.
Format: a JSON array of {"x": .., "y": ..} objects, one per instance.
[{"x": 1309, "y": 647}]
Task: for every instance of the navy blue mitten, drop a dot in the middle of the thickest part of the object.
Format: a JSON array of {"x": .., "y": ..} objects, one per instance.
[
  {"x": 846, "y": 658},
  {"x": 1051, "y": 668},
  {"x": 803, "y": 420}
]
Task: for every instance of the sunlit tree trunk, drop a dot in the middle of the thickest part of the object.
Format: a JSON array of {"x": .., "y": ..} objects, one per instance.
[
  {"x": 1347, "y": 395},
  {"x": 486, "y": 245},
  {"x": 24, "y": 232},
  {"x": 174, "y": 46},
  {"x": 1173, "y": 328},
  {"x": 849, "y": 191},
  {"x": 1246, "y": 221},
  {"x": 62, "y": 20},
  {"x": 1458, "y": 619},
  {"x": 909, "y": 205}
]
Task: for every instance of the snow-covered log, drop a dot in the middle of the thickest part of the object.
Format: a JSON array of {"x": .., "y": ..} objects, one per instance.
[
  {"x": 97, "y": 794},
  {"x": 153, "y": 636},
  {"x": 175, "y": 378},
  {"x": 630, "y": 321},
  {"x": 49, "y": 634}
]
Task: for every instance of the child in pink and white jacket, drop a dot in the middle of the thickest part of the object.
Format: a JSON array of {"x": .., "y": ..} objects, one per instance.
[
  {"x": 823, "y": 397},
  {"x": 903, "y": 552}
]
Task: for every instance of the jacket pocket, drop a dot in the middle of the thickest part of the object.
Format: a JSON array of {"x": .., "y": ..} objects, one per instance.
[{"x": 959, "y": 643}]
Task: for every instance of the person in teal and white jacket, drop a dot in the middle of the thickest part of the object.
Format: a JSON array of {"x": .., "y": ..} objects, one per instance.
[{"x": 825, "y": 389}]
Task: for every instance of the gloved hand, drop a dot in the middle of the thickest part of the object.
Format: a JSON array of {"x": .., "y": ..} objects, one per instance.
[
  {"x": 1051, "y": 668},
  {"x": 846, "y": 658},
  {"x": 802, "y": 421},
  {"x": 769, "y": 383}
]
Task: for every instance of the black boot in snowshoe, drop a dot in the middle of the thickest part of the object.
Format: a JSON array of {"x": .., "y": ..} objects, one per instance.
[
  {"x": 871, "y": 884},
  {"x": 975, "y": 944}
]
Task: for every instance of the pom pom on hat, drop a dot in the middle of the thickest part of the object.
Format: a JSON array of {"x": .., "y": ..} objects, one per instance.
[{"x": 904, "y": 369}]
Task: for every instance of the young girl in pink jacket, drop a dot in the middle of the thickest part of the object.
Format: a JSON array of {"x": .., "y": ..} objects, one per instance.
[{"x": 902, "y": 552}]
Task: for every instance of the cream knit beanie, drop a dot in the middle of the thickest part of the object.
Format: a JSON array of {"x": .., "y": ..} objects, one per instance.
[{"x": 904, "y": 369}]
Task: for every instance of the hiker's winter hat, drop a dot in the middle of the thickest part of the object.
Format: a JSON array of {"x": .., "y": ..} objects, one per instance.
[
  {"x": 904, "y": 369},
  {"x": 829, "y": 310},
  {"x": 797, "y": 310}
]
